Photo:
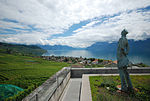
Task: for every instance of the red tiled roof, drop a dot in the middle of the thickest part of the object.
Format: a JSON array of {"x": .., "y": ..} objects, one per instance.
[{"x": 115, "y": 62}]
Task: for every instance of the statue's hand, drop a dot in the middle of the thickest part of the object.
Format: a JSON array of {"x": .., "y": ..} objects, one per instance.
[{"x": 124, "y": 53}]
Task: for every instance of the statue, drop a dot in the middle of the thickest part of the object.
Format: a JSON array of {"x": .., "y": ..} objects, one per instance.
[{"x": 123, "y": 62}]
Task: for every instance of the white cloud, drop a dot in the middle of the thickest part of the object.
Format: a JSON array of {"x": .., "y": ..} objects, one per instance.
[
  {"x": 110, "y": 30},
  {"x": 26, "y": 38},
  {"x": 56, "y": 16}
]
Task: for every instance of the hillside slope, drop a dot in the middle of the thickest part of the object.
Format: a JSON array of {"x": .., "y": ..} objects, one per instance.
[
  {"x": 21, "y": 49},
  {"x": 25, "y": 72}
]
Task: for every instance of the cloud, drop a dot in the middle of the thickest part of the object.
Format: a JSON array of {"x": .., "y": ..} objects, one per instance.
[
  {"x": 34, "y": 38},
  {"x": 50, "y": 17},
  {"x": 110, "y": 30}
]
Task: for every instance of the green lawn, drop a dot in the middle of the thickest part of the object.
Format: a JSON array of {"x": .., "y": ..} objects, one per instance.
[
  {"x": 103, "y": 88},
  {"x": 26, "y": 72}
]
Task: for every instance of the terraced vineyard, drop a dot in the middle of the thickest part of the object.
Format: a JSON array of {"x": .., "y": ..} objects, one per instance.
[{"x": 26, "y": 72}]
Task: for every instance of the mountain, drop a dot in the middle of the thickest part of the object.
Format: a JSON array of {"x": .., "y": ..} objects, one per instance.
[
  {"x": 57, "y": 47},
  {"x": 142, "y": 46},
  {"x": 21, "y": 49},
  {"x": 103, "y": 47}
]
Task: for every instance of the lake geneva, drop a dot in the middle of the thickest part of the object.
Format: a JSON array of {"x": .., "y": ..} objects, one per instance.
[{"x": 133, "y": 57}]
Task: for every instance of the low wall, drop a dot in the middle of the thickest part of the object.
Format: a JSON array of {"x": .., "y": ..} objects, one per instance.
[
  {"x": 56, "y": 95},
  {"x": 78, "y": 72},
  {"x": 52, "y": 88}
]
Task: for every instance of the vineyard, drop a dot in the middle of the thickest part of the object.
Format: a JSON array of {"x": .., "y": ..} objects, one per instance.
[{"x": 25, "y": 72}]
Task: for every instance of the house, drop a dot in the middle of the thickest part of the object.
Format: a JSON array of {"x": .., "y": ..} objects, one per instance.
[
  {"x": 115, "y": 62},
  {"x": 95, "y": 61},
  {"x": 105, "y": 62},
  {"x": 82, "y": 62},
  {"x": 69, "y": 61},
  {"x": 88, "y": 61}
]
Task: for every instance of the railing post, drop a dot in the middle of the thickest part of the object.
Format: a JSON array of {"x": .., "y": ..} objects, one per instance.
[
  {"x": 57, "y": 80},
  {"x": 36, "y": 97}
]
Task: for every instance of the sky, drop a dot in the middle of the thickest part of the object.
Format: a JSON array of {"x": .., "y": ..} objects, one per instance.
[{"x": 75, "y": 23}]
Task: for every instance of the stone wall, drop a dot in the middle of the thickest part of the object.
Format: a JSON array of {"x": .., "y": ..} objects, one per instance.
[
  {"x": 56, "y": 95},
  {"x": 78, "y": 72},
  {"x": 52, "y": 88}
]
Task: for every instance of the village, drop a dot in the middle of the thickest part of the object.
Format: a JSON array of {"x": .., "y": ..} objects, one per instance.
[{"x": 80, "y": 62}]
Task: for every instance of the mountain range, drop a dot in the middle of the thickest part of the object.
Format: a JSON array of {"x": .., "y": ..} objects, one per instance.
[
  {"x": 142, "y": 46},
  {"x": 58, "y": 47},
  {"x": 135, "y": 46}
]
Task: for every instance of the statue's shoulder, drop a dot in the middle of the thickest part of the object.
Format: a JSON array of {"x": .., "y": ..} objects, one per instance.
[
  {"x": 120, "y": 39},
  {"x": 124, "y": 39}
]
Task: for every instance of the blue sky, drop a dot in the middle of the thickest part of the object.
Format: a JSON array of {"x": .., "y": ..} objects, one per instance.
[
  {"x": 72, "y": 22},
  {"x": 69, "y": 31}
]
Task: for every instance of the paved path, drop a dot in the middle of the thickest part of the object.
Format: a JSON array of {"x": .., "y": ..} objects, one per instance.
[
  {"x": 86, "y": 90},
  {"x": 72, "y": 91}
]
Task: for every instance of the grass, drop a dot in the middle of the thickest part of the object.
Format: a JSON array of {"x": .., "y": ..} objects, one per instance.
[
  {"x": 104, "y": 88},
  {"x": 26, "y": 72}
]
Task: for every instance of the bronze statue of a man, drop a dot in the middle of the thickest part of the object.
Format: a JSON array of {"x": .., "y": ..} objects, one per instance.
[{"x": 123, "y": 62}]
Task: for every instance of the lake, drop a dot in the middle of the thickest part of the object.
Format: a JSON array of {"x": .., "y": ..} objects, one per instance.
[{"x": 133, "y": 57}]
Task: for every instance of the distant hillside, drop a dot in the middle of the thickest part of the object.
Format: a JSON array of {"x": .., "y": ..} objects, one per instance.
[
  {"x": 140, "y": 46},
  {"x": 103, "y": 47},
  {"x": 57, "y": 47},
  {"x": 21, "y": 49},
  {"x": 135, "y": 46}
]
